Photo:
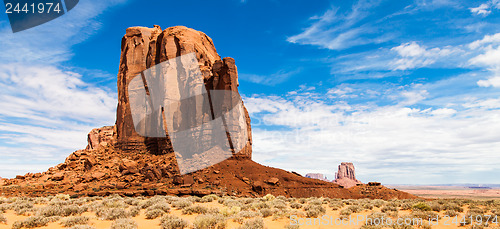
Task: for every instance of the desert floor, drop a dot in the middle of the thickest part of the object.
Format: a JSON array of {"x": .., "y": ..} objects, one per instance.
[
  {"x": 229, "y": 212},
  {"x": 449, "y": 192}
]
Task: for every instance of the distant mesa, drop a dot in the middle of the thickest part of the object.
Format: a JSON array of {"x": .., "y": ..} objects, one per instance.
[
  {"x": 318, "y": 176},
  {"x": 346, "y": 175}
]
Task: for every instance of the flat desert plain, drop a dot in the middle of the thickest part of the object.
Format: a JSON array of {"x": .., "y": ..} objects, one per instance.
[
  {"x": 448, "y": 192},
  {"x": 212, "y": 211}
]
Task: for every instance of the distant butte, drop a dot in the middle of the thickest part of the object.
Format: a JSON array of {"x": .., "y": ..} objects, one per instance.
[{"x": 346, "y": 175}]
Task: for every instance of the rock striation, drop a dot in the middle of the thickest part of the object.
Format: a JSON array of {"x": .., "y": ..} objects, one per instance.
[{"x": 346, "y": 175}]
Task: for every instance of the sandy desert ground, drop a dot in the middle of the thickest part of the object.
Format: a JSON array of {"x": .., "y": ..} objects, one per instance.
[
  {"x": 449, "y": 192},
  {"x": 212, "y": 211}
]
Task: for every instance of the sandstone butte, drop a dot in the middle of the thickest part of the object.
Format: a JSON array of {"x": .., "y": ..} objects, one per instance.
[
  {"x": 346, "y": 175},
  {"x": 119, "y": 161}
]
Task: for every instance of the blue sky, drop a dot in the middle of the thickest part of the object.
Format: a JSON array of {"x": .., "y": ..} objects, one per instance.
[{"x": 407, "y": 90}]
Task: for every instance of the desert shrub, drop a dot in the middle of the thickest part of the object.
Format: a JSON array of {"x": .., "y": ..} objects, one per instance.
[
  {"x": 389, "y": 208},
  {"x": 453, "y": 206},
  {"x": 422, "y": 206},
  {"x": 157, "y": 200},
  {"x": 406, "y": 206},
  {"x": 74, "y": 220},
  {"x": 403, "y": 226},
  {"x": 279, "y": 204},
  {"x": 153, "y": 213},
  {"x": 378, "y": 203},
  {"x": 72, "y": 209},
  {"x": 163, "y": 206},
  {"x": 21, "y": 207},
  {"x": 112, "y": 213},
  {"x": 134, "y": 211},
  {"x": 209, "y": 198},
  {"x": 195, "y": 209},
  {"x": 248, "y": 214},
  {"x": 354, "y": 208},
  {"x": 367, "y": 206},
  {"x": 336, "y": 205},
  {"x": 350, "y": 202},
  {"x": 315, "y": 202},
  {"x": 424, "y": 215},
  {"x": 296, "y": 205},
  {"x": 476, "y": 211},
  {"x": 435, "y": 206},
  {"x": 313, "y": 211},
  {"x": 260, "y": 205},
  {"x": 278, "y": 214},
  {"x": 266, "y": 212},
  {"x": 124, "y": 224},
  {"x": 345, "y": 213},
  {"x": 4, "y": 207},
  {"x": 49, "y": 211},
  {"x": 56, "y": 210},
  {"x": 82, "y": 227},
  {"x": 451, "y": 213},
  {"x": 31, "y": 222},
  {"x": 268, "y": 197},
  {"x": 232, "y": 203},
  {"x": 181, "y": 204},
  {"x": 226, "y": 211},
  {"x": 375, "y": 218},
  {"x": 62, "y": 196},
  {"x": 3, "y": 219},
  {"x": 173, "y": 222},
  {"x": 209, "y": 221},
  {"x": 256, "y": 223},
  {"x": 132, "y": 201}
]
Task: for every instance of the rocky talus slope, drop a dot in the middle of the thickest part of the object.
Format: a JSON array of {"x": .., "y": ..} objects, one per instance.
[{"x": 118, "y": 160}]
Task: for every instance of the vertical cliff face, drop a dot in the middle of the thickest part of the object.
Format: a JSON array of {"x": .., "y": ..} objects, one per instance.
[
  {"x": 346, "y": 175},
  {"x": 143, "y": 48}
]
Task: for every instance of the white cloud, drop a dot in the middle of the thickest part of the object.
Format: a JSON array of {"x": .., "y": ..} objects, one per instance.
[
  {"x": 487, "y": 40},
  {"x": 483, "y": 9},
  {"x": 415, "y": 56},
  {"x": 387, "y": 143},
  {"x": 46, "y": 114},
  {"x": 489, "y": 59},
  {"x": 486, "y": 8},
  {"x": 491, "y": 82},
  {"x": 337, "y": 32},
  {"x": 413, "y": 97}
]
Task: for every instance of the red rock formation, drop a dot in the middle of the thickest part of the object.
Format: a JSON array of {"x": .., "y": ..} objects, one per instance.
[
  {"x": 101, "y": 137},
  {"x": 143, "y": 48},
  {"x": 346, "y": 175},
  {"x": 120, "y": 161}
]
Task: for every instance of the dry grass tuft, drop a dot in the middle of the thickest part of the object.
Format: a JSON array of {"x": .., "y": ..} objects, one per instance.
[{"x": 173, "y": 222}]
